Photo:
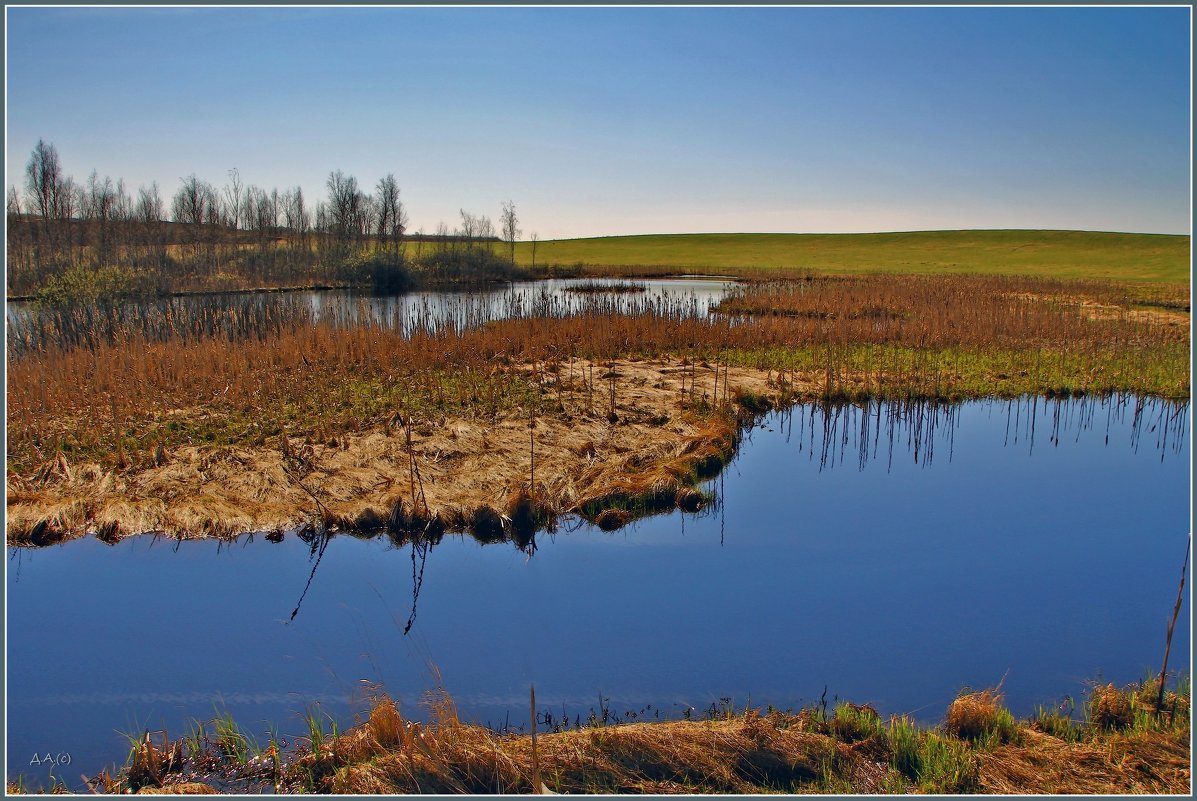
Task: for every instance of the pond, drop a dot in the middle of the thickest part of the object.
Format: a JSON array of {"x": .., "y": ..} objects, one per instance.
[
  {"x": 891, "y": 555},
  {"x": 247, "y": 314}
]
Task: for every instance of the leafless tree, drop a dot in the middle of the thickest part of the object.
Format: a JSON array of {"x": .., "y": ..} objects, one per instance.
[
  {"x": 533, "y": 238},
  {"x": 44, "y": 183},
  {"x": 391, "y": 217},
  {"x": 232, "y": 198},
  {"x": 149, "y": 204},
  {"x": 508, "y": 221},
  {"x": 192, "y": 204},
  {"x": 347, "y": 206}
]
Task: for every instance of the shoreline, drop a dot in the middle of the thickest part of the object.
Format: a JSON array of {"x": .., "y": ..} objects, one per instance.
[
  {"x": 607, "y": 459},
  {"x": 1122, "y": 742}
]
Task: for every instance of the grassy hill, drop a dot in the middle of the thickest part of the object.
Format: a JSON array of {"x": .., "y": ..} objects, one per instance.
[{"x": 1060, "y": 254}]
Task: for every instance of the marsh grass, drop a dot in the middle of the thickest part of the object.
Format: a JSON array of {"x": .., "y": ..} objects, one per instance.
[
  {"x": 123, "y": 391},
  {"x": 850, "y": 750}
]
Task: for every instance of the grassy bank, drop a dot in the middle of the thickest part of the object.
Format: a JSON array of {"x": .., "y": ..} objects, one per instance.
[
  {"x": 216, "y": 426},
  {"x": 1117, "y": 742},
  {"x": 1048, "y": 254}
]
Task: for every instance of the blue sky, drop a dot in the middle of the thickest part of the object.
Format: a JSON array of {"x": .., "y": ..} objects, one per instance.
[{"x": 616, "y": 121}]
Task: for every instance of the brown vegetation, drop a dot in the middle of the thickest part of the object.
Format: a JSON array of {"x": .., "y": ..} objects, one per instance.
[
  {"x": 221, "y": 420},
  {"x": 460, "y": 471},
  {"x": 728, "y": 752}
]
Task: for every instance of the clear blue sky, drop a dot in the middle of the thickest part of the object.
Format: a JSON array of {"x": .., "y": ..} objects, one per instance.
[{"x": 614, "y": 121}]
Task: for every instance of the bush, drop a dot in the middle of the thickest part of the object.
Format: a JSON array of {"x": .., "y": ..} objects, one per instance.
[
  {"x": 1110, "y": 708},
  {"x": 466, "y": 264},
  {"x": 980, "y": 716},
  {"x": 79, "y": 285},
  {"x": 381, "y": 271}
]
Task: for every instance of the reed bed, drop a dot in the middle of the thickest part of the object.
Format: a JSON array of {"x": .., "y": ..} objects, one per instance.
[
  {"x": 979, "y": 748},
  {"x": 118, "y": 382}
]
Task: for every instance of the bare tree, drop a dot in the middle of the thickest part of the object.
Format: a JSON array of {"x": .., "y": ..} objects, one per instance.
[
  {"x": 232, "y": 198},
  {"x": 391, "y": 217},
  {"x": 49, "y": 195},
  {"x": 149, "y": 212},
  {"x": 347, "y": 207},
  {"x": 44, "y": 182},
  {"x": 192, "y": 203},
  {"x": 149, "y": 204},
  {"x": 508, "y": 221},
  {"x": 533, "y": 238}
]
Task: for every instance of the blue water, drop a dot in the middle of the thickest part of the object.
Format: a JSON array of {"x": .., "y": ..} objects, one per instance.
[{"x": 889, "y": 556}]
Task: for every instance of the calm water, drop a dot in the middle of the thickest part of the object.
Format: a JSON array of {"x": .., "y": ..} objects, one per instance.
[
  {"x": 29, "y": 326},
  {"x": 889, "y": 555}
]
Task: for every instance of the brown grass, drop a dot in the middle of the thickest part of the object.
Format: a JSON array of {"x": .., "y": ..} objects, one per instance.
[
  {"x": 185, "y": 425},
  {"x": 745, "y": 753},
  {"x": 473, "y": 474},
  {"x": 749, "y": 752}
]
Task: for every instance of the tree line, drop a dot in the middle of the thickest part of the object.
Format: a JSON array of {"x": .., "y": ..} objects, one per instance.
[{"x": 99, "y": 238}]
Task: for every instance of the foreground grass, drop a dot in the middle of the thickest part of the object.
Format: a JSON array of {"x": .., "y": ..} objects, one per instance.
[
  {"x": 1051, "y": 254},
  {"x": 1122, "y": 743}
]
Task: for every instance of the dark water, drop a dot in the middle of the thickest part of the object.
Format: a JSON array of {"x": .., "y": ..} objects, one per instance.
[{"x": 890, "y": 555}]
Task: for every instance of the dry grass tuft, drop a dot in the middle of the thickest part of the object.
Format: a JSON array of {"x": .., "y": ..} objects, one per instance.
[
  {"x": 1151, "y": 763},
  {"x": 976, "y": 715},
  {"x": 1110, "y": 708}
]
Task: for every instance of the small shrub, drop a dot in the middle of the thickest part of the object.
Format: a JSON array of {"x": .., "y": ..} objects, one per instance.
[
  {"x": 980, "y": 716},
  {"x": 852, "y": 723},
  {"x": 1109, "y": 708},
  {"x": 384, "y": 272}
]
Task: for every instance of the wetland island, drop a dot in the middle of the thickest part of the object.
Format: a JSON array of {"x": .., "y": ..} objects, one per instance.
[{"x": 309, "y": 490}]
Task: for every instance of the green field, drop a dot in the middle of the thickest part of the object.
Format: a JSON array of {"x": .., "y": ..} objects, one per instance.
[{"x": 1058, "y": 254}]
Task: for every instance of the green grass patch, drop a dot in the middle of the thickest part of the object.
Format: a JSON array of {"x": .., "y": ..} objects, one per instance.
[{"x": 1055, "y": 254}]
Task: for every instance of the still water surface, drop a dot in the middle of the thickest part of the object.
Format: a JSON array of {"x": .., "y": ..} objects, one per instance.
[
  {"x": 890, "y": 555},
  {"x": 246, "y": 314}
]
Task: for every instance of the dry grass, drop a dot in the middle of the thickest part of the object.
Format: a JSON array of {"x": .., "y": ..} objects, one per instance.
[
  {"x": 749, "y": 752},
  {"x": 456, "y": 473},
  {"x": 978, "y": 715},
  {"x": 1144, "y": 762},
  {"x": 161, "y": 422}
]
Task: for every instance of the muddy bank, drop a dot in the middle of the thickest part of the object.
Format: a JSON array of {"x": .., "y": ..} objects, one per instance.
[{"x": 620, "y": 438}]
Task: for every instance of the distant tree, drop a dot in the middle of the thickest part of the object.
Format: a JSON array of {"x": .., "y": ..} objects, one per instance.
[
  {"x": 49, "y": 195},
  {"x": 508, "y": 221},
  {"x": 193, "y": 202},
  {"x": 475, "y": 227},
  {"x": 533, "y": 238},
  {"x": 149, "y": 204},
  {"x": 98, "y": 208},
  {"x": 44, "y": 182},
  {"x": 232, "y": 198},
  {"x": 391, "y": 217},
  {"x": 149, "y": 212},
  {"x": 346, "y": 207}
]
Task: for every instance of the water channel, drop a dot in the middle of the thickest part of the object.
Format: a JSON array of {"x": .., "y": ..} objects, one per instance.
[{"x": 888, "y": 554}]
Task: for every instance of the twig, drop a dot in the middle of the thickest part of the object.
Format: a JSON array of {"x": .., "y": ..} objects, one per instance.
[
  {"x": 1159, "y": 703},
  {"x": 535, "y": 759}
]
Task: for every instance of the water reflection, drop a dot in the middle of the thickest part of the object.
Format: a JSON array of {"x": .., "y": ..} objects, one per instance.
[
  {"x": 239, "y": 316},
  {"x": 880, "y": 430},
  {"x": 833, "y": 435},
  {"x": 1034, "y": 539}
]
